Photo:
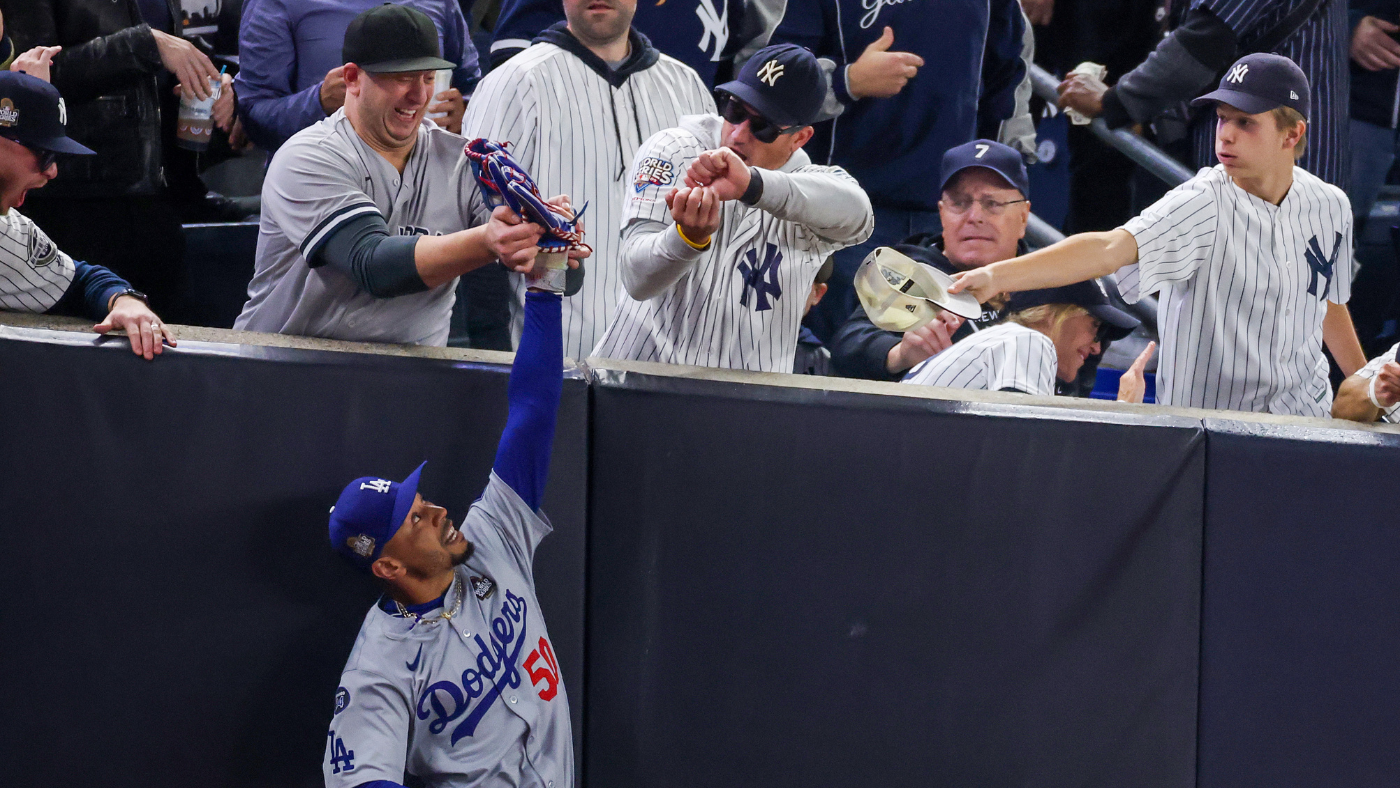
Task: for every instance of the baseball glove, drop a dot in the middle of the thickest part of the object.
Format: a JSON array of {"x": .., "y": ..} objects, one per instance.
[{"x": 504, "y": 182}]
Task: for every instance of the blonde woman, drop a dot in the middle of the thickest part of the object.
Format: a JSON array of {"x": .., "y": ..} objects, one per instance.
[{"x": 1047, "y": 334}]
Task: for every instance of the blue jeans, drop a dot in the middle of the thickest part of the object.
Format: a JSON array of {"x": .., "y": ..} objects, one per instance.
[
  {"x": 892, "y": 225},
  {"x": 1373, "y": 151}
]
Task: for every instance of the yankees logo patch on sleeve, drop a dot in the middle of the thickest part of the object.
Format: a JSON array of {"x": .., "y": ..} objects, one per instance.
[
  {"x": 41, "y": 250},
  {"x": 654, "y": 172}
]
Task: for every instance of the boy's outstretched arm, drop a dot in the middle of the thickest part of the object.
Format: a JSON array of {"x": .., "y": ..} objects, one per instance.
[{"x": 1075, "y": 259}]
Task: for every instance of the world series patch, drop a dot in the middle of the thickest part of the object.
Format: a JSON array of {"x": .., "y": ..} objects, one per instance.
[{"x": 654, "y": 172}]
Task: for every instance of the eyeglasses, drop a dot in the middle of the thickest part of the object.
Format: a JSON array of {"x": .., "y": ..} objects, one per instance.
[
  {"x": 46, "y": 158},
  {"x": 989, "y": 206},
  {"x": 762, "y": 129}
]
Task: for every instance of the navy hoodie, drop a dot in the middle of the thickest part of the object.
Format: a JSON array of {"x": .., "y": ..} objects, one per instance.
[{"x": 894, "y": 146}]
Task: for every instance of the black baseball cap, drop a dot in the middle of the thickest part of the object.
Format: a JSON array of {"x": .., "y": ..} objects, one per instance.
[
  {"x": 784, "y": 83},
  {"x": 33, "y": 114},
  {"x": 1259, "y": 82},
  {"x": 1090, "y": 295},
  {"x": 390, "y": 39},
  {"x": 999, "y": 158}
]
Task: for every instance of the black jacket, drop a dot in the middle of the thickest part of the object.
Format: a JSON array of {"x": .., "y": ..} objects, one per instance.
[
  {"x": 1374, "y": 93},
  {"x": 110, "y": 75},
  {"x": 859, "y": 349}
]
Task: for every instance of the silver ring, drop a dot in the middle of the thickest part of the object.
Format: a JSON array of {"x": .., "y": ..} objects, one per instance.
[{"x": 155, "y": 326}]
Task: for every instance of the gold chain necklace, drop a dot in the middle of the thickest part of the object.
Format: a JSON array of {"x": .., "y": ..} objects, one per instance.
[{"x": 444, "y": 616}]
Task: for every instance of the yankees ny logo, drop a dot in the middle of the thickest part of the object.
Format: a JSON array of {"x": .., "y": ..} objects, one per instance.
[
  {"x": 761, "y": 278},
  {"x": 1319, "y": 266},
  {"x": 770, "y": 72},
  {"x": 1237, "y": 73},
  {"x": 715, "y": 25},
  {"x": 378, "y": 485}
]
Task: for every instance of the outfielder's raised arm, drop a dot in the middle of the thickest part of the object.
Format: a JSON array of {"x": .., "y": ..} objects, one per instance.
[
  {"x": 536, "y": 383},
  {"x": 1075, "y": 259}
]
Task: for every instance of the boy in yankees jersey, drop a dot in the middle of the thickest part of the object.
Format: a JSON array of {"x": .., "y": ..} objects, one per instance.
[
  {"x": 453, "y": 678},
  {"x": 1252, "y": 258},
  {"x": 727, "y": 223}
]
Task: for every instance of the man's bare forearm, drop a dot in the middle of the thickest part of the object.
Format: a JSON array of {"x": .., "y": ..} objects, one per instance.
[
  {"x": 1353, "y": 403},
  {"x": 442, "y": 258},
  {"x": 1339, "y": 335},
  {"x": 1075, "y": 259}
]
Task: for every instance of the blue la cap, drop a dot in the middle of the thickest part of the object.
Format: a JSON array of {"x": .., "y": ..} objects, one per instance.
[
  {"x": 1088, "y": 294},
  {"x": 1260, "y": 82},
  {"x": 999, "y": 158},
  {"x": 368, "y": 514},
  {"x": 783, "y": 82},
  {"x": 32, "y": 113}
]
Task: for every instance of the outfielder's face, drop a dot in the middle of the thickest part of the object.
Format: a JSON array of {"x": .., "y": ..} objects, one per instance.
[
  {"x": 428, "y": 542},
  {"x": 1076, "y": 339},
  {"x": 19, "y": 173}
]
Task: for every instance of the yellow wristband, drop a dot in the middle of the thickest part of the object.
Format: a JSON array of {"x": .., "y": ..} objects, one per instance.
[{"x": 692, "y": 244}]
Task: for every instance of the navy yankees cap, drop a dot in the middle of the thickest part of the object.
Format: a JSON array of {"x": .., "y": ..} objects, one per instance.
[
  {"x": 999, "y": 158},
  {"x": 33, "y": 114},
  {"x": 783, "y": 82},
  {"x": 1259, "y": 82},
  {"x": 1090, "y": 295},
  {"x": 392, "y": 38},
  {"x": 368, "y": 514}
]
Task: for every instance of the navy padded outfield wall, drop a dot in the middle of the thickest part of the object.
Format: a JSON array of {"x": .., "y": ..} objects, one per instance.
[
  {"x": 172, "y": 611},
  {"x": 798, "y": 588},
  {"x": 1300, "y": 662}
]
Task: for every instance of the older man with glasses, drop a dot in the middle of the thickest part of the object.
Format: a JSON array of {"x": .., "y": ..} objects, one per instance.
[
  {"x": 727, "y": 223},
  {"x": 984, "y": 206}
]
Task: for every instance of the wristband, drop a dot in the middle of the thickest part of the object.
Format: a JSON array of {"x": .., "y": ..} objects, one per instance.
[
  {"x": 697, "y": 247},
  {"x": 754, "y": 192},
  {"x": 1371, "y": 394}
]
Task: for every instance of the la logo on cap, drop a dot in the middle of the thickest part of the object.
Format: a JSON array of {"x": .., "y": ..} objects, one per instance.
[
  {"x": 770, "y": 72},
  {"x": 9, "y": 116}
]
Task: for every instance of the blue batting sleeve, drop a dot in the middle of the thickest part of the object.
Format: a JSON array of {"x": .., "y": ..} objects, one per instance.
[
  {"x": 536, "y": 383},
  {"x": 92, "y": 287}
]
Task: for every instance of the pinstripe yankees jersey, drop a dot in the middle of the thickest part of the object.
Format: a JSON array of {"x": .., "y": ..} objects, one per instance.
[
  {"x": 739, "y": 303},
  {"x": 1390, "y": 415},
  {"x": 575, "y": 128},
  {"x": 476, "y": 700},
  {"x": 1005, "y": 356},
  {"x": 34, "y": 273},
  {"x": 1244, "y": 289},
  {"x": 326, "y": 176}
]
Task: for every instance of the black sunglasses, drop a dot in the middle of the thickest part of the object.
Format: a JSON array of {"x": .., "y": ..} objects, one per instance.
[
  {"x": 46, "y": 157},
  {"x": 762, "y": 129}
]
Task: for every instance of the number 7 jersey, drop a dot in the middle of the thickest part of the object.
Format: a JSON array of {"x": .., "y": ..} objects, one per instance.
[{"x": 475, "y": 700}]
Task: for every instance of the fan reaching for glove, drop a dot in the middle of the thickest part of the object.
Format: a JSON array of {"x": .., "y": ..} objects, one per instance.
[{"x": 504, "y": 182}]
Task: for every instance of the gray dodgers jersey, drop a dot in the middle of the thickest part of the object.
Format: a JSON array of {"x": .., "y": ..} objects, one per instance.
[
  {"x": 739, "y": 303},
  {"x": 576, "y": 134},
  {"x": 477, "y": 701},
  {"x": 34, "y": 273},
  {"x": 1245, "y": 286},
  {"x": 326, "y": 176},
  {"x": 1005, "y": 356}
]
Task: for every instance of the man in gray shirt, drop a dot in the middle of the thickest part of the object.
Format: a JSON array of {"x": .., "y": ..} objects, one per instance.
[{"x": 371, "y": 215}]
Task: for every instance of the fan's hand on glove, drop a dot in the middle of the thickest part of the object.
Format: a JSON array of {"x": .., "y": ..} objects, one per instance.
[
  {"x": 145, "y": 331},
  {"x": 513, "y": 240},
  {"x": 927, "y": 340},
  {"x": 567, "y": 208},
  {"x": 722, "y": 170}
]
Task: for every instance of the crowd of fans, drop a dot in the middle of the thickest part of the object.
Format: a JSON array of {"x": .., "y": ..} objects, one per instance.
[{"x": 738, "y": 160}]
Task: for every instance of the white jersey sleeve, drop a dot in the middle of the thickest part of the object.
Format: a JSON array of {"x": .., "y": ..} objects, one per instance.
[
  {"x": 34, "y": 273},
  {"x": 311, "y": 191},
  {"x": 366, "y": 741},
  {"x": 1390, "y": 415},
  {"x": 1174, "y": 238},
  {"x": 1025, "y": 364},
  {"x": 658, "y": 167},
  {"x": 501, "y": 519}
]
